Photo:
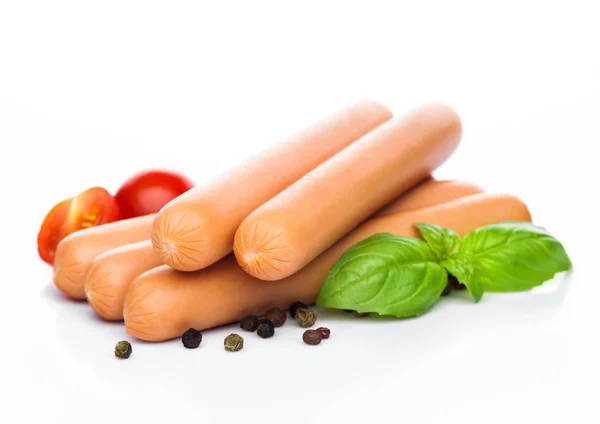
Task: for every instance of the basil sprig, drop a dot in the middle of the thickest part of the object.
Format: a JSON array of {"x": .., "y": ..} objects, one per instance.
[{"x": 405, "y": 276}]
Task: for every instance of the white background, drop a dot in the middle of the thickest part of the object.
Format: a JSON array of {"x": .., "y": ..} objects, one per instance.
[{"x": 92, "y": 92}]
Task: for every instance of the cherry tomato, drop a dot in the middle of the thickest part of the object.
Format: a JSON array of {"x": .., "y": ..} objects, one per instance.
[
  {"x": 147, "y": 192},
  {"x": 92, "y": 207},
  {"x": 50, "y": 232}
]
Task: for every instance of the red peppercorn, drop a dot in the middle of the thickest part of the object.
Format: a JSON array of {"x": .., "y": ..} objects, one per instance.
[
  {"x": 249, "y": 323},
  {"x": 447, "y": 289},
  {"x": 312, "y": 337},
  {"x": 276, "y": 316},
  {"x": 456, "y": 285},
  {"x": 325, "y": 332}
]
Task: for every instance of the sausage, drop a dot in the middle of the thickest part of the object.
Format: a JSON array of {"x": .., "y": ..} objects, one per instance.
[
  {"x": 111, "y": 272},
  {"x": 109, "y": 275},
  {"x": 294, "y": 227},
  {"x": 162, "y": 303},
  {"x": 427, "y": 193},
  {"x": 76, "y": 252},
  {"x": 197, "y": 229}
]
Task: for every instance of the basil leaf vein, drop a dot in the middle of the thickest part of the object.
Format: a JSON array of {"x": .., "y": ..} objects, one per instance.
[
  {"x": 512, "y": 256},
  {"x": 385, "y": 274}
]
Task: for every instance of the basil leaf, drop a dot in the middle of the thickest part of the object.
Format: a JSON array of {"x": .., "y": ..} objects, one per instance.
[
  {"x": 511, "y": 256},
  {"x": 443, "y": 241},
  {"x": 467, "y": 274},
  {"x": 387, "y": 275}
]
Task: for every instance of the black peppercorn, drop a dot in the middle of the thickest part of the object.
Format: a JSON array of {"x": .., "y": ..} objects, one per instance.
[
  {"x": 276, "y": 316},
  {"x": 305, "y": 317},
  {"x": 123, "y": 349},
  {"x": 325, "y": 332},
  {"x": 295, "y": 306},
  {"x": 191, "y": 338},
  {"x": 233, "y": 343},
  {"x": 312, "y": 337},
  {"x": 249, "y": 323},
  {"x": 265, "y": 328}
]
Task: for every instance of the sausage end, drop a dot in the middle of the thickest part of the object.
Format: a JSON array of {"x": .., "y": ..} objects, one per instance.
[
  {"x": 180, "y": 240},
  {"x": 69, "y": 269},
  {"x": 264, "y": 253},
  {"x": 103, "y": 291}
]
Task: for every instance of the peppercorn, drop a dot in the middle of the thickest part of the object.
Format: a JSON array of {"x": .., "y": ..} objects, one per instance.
[
  {"x": 249, "y": 323},
  {"x": 325, "y": 332},
  {"x": 456, "y": 285},
  {"x": 312, "y": 337},
  {"x": 123, "y": 349},
  {"x": 233, "y": 343},
  {"x": 362, "y": 314},
  {"x": 305, "y": 317},
  {"x": 447, "y": 289},
  {"x": 276, "y": 316},
  {"x": 295, "y": 306},
  {"x": 265, "y": 328},
  {"x": 191, "y": 338}
]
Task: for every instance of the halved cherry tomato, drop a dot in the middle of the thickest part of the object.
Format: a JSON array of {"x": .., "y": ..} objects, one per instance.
[
  {"x": 147, "y": 192},
  {"x": 92, "y": 207},
  {"x": 50, "y": 231}
]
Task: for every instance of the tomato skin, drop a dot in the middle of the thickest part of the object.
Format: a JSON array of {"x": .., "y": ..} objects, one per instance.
[
  {"x": 51, "y": 230},
  {"x": 89, "y": 208},
  {"x": 148, "y": 191}
]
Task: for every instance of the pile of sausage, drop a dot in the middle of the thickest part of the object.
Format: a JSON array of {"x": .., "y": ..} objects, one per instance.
[{"x": 266, "y": 233}]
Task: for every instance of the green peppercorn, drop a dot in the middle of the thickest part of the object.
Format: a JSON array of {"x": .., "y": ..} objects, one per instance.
[
  {"x": 325, "y": 332},
  {"x": 123, "y": 349},
  {"x": 276, "y": 316},
  {"x": 305, "y": 317},
  {"x": 265, "y": 328},
  {"x": 312, "y": 337},
  {"x": 191, "y": 339},
  {"x": 233, "y": 343},
  {"x": 249, "y": 323},
  {"x": 295, "y": 306}
]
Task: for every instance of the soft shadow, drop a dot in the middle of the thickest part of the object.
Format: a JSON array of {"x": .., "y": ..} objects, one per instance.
[
  {"x": 56, "y": 297},
  {"x": 94, "y": 317},
  {"x": 546, "y": 298}
]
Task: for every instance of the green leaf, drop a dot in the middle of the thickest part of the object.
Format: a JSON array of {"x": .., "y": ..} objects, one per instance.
[
  {"x": 443, "y": 241},
  {"x": 467, "y": 274},
  {"x": 511, "y": 256},
  {"x": 387, "y": 275}
]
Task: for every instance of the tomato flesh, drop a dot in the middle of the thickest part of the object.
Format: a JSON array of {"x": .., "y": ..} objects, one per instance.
[
  {"x": 147, "y": 192},
  {"x": 92, "y": 207}
]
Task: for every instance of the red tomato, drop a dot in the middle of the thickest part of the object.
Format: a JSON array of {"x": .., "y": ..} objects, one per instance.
[
  {"x": 92, "y": 207},
  {"x": 147, "y": 192},
  {"x": 50, "y": 232}
]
